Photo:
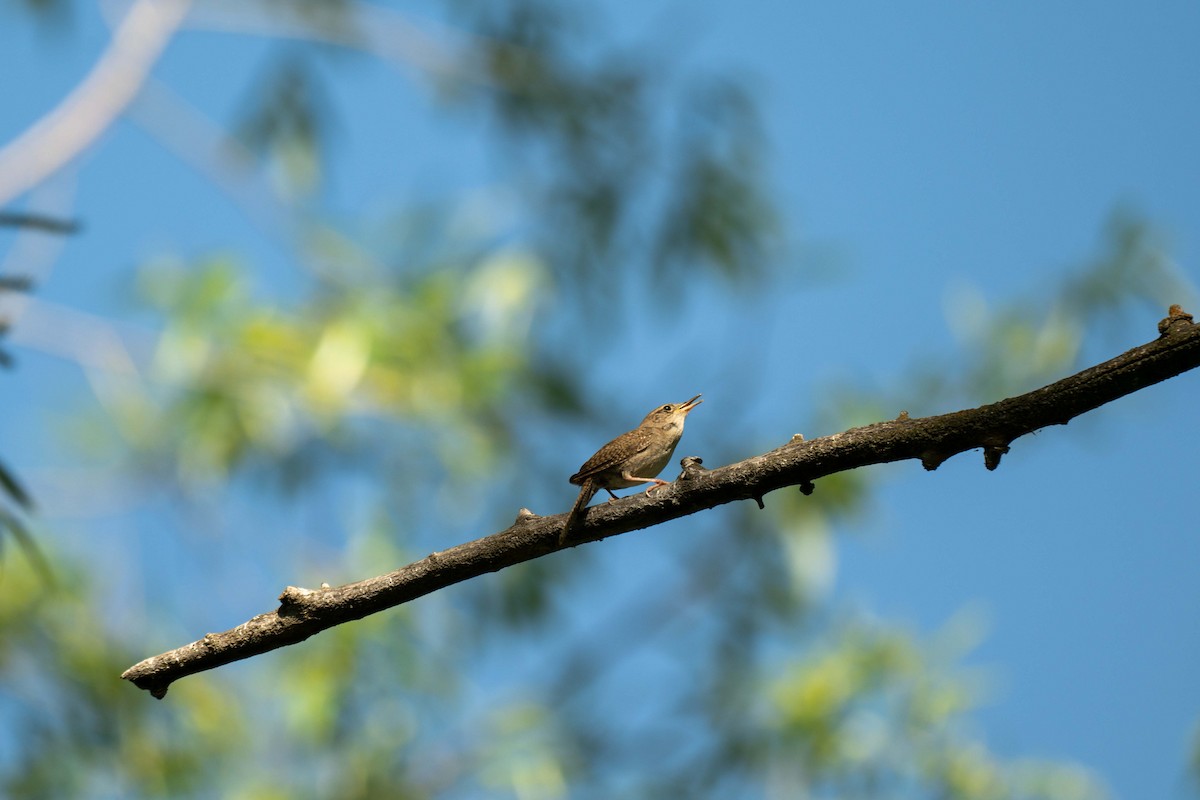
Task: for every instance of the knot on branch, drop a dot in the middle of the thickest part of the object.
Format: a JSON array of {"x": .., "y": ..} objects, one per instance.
[
  {"x": 524, "y": 517},
  {"x": 992, "y": 454},
  {"x": 807, "y": 487},
  {"x": 692, "y": 468},
  {"x": 296, "y": 596},
  {"x": 931, "y": 460},
  {"x": 1175, "y": 316}
]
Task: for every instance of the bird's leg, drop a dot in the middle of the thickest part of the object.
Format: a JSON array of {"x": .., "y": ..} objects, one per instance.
[{"x": 656, "y": 481}]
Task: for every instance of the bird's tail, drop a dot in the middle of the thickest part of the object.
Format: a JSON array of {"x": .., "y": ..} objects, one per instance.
[{"x": 590, "y": 487}]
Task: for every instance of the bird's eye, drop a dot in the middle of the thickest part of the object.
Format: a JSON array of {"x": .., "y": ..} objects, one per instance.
[{"x": 668, "y": 408}]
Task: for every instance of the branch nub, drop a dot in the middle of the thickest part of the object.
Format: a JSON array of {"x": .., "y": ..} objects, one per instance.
[
  {"x": 992, "y": 455},
  {"x": 1175, "y": 315}
]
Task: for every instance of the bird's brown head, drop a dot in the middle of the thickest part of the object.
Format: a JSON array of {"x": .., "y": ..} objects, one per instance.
[{"x": 670, "y": 415}]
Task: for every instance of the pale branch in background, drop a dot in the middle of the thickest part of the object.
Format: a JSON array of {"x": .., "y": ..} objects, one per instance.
[
  {"x": 800, "y": 462},
  {"x": 95, "y": 103},
  {"x": 392, "y": 36}
]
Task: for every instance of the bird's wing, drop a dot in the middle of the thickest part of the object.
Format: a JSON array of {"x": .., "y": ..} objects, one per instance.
[{"x": 612, "y": 454}]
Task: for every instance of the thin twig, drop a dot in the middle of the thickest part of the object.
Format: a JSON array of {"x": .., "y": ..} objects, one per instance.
[{"x": 38, "y": 222}]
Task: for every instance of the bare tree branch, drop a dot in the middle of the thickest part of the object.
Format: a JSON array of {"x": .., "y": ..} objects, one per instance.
[{"x": 932, "y": 440}]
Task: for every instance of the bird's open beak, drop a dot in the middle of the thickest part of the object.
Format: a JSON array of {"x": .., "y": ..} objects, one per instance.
[{"x": 690, "y": 404}]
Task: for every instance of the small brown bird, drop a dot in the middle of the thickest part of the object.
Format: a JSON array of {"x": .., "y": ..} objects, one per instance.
[{"x": 632, "y": 458}]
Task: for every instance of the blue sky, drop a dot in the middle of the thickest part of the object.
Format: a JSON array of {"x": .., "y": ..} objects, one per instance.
[{"x": 922, "y": 147}]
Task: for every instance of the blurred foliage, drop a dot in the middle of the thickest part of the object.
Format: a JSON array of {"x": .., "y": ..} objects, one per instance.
[
  {"x": 1193, "y": 765},
  {"x": 330, "y": 15},
  {"x": 15, "y": 499},
  {"x": 13, "y": 283},
  {"x": 285, "y": 127},
  {"x": 58, "y": 662},
  {"x": 587, "y": 122},
  {"x": 716, "y": 210},
  {"x": 15, "y": 506},
  {"x": 346, "y": 733},
  {"x": 874, "y": 713},
  {"x": 234, "y": 378},
  {"x": 11, "y": 488},
  {"x": 49, "y": 12},
  {"x": 411, "y": 365}
]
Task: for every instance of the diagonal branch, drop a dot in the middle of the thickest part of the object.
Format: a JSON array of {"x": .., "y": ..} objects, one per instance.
[
  {"x": 932, "y": 440},
  {"x": 94, "y": 104}
]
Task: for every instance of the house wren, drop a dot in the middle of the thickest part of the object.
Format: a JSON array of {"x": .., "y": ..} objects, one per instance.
[{"x": 632, "y": 458}]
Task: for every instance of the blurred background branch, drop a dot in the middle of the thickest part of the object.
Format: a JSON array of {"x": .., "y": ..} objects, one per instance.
[{"x": 94, "y": 104}]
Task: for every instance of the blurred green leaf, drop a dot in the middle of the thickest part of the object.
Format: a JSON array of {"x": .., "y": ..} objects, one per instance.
[{"x": 288, "y": 123}]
